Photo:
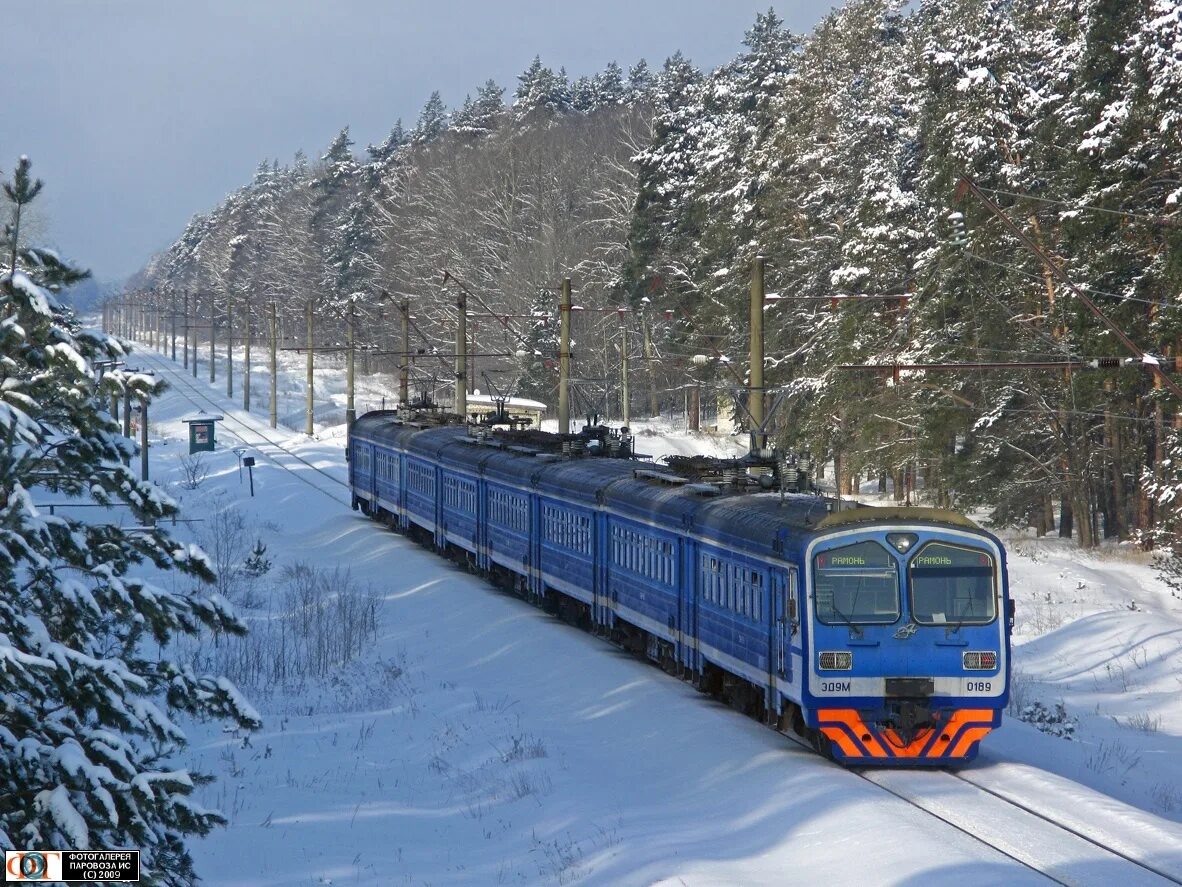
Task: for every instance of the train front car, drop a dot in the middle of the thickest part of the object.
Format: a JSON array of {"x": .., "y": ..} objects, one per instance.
[{"x": 909, "y": 622}]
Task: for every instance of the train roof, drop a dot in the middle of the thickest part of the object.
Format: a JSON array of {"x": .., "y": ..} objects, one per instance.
[
  {"x": 899, "y": 513},
  {"x": 644, "y": 490}
]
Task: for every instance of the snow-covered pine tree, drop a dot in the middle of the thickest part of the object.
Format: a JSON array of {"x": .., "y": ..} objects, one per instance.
[
  {"x": 89, "y": 749},
  {"x": 608, "y": 87},
  {"x": 334, "y": 192},
  {"x": 540, "y": 92},
  {"x": 640, "y": 83},
  {"x": 538, "y": 374},
  {"x": 383, "y": 153},
  {"x": 432, "y": 122},
  {"x": 481, "y": 115}
]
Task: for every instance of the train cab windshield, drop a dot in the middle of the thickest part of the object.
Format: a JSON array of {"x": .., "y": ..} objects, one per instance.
[
  {"x": 952, "y": 584},
  {"x": 856, "y": 584}
]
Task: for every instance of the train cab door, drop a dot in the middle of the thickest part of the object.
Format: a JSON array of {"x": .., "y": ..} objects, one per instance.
[{"x": 783, "y": 622}]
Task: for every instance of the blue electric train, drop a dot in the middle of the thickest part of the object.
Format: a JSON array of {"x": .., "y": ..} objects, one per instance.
[{"x": 881, "y": 635}]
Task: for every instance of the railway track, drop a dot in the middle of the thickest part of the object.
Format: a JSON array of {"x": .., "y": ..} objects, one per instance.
[
  {"x": 1012, "y": 827},
  {"x": 271, "y": 449},
  {"x": 1038, "y": 842}
]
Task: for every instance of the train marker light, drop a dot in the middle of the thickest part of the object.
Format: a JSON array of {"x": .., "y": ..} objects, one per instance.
[
  {"x": 836, "y": 660},
  {"x": 983, "y": 660},
  {"x": 902, "y": 542}
]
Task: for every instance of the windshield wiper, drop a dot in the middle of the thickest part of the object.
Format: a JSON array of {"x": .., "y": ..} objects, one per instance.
[{"x": 855, "y": 630}]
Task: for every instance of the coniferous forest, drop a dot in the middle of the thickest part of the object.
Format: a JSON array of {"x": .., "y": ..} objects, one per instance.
[{"x": 836, "y": 155}]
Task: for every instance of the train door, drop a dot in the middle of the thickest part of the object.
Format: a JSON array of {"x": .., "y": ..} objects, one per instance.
[
  {"x": 684, "y": 573},
  {"x": 783, "y": 622}
]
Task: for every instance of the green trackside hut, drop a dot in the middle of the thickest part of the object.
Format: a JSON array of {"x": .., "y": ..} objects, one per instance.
[{"x": 201, "y": 433}]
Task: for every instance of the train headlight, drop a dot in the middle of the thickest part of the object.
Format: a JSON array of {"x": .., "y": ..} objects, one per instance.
[
  {"x": 836, "y": 660},
  {"x": 903, "y": 542},
  {"x": 979, "y": 660}
]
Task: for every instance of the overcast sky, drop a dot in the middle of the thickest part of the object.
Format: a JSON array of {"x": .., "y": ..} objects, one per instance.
[{"x": 139, "y": 113}]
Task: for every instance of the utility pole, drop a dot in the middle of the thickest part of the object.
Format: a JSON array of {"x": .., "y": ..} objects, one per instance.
[
  {"x": 196, "y": 328},
  {"x": 404, "y": 366},
  {"x": 246, "y": 355},
  {"x": 350, "y": 403},
  {"x": 172, "y": 314},
  {"x": 309, "y": 430},
  {"x": 650, "y": 364},
  {"x": 229, "y": 346},
  {"x": 274, "y": 382},
  {"x": 185, "y": 343},
  {"x": 461, "y": 400},
  {"x": 564, "y": 309},
  {"x": 755, "y": 376},
  {"x": 625, "y": 405},
  {"x": 143, "y": 438},
  {"x": 472, "y": 352},
  {"x": 213, "y": 328},
  {"x": 126, "y": 408}
]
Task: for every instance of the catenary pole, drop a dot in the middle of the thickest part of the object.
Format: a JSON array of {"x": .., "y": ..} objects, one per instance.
[
  {"x": 185, "y": 341},
  {"x": 246, "y": 354},
  {"x": 308, "y": 404},
  {"x": 229, "y": 346},
  {"x": 404, "y": 366},
  {"x": 564, "y": 310},
  {"x": 274, "y": 411},
  {"x": 755, "y": 376},
  {"x": 461, "y": 398},
  {"x": 213, "y": 333},
  {"x": 350, "y": 402}
]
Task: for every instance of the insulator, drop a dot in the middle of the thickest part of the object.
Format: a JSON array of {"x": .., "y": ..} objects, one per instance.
[{"x": 959, "y": 232}]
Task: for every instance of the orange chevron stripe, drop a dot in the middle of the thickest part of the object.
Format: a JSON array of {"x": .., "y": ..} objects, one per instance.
[
  {"x": 853, "y": 720},
  {"x": 963, "y": 728},
  {"x": 971, "y": 735},
  {"x": 838, "y": 736}
]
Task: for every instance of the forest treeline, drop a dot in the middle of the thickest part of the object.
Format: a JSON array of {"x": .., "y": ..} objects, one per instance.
[{"x": 837, "y": 156}]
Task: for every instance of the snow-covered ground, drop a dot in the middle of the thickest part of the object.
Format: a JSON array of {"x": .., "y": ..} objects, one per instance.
[{"x": 477, "y": 740}]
